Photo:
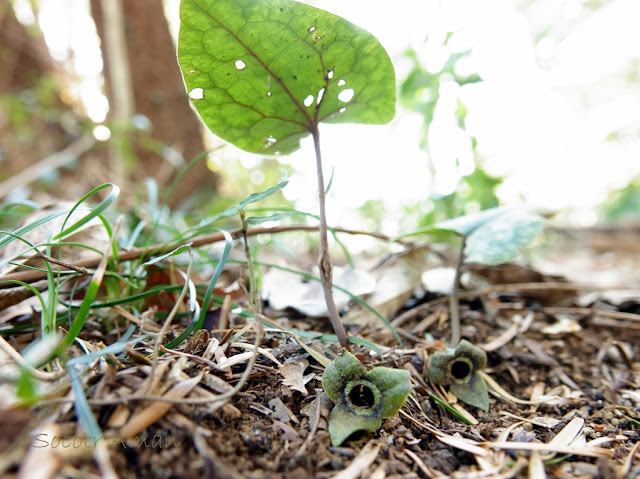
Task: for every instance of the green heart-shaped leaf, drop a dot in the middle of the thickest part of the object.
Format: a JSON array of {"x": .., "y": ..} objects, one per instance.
[
  {"x": 499, "y": 240},
  {"x": 467, "y": 224},
  {"x": 394, "y": 385},
  {"x": 263, "y": 74},
  {"x": 494, "y": 236},
  {"x": 473, "y": 392},
  {"x": 343, "y": 423}
]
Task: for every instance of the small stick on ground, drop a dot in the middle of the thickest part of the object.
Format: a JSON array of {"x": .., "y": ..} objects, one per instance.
[{"x": 164, "y": 248}]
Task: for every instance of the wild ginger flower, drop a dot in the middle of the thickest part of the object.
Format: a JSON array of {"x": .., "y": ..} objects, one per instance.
[
  {"x": 362, "y": 398},
  {"x": 458, "y": 368}
]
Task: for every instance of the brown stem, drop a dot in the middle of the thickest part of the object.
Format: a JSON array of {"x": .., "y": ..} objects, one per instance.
[
  {"x": 255, "y": 302},
  {"x": 73, "y": 267},
  {"x": 454, "y": 306},
  {"x": 163, "y": 248},
  {"x": 324, "y": 260}
]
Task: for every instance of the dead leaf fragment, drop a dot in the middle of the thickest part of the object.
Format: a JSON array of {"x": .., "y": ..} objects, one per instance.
[
  {"x": 396, "y": 282},
  {"x": 145, "y": 418},
  {"x": 565, "y": 324},
  {"x": 293, "y": 374},
  {"x": 44, "y": 462},
  {"x": 439, "y": 280},
  {"x": 281, "y": 412},
  {"x": 288, "y": 433},
  {"x": 363, "y": 460}
]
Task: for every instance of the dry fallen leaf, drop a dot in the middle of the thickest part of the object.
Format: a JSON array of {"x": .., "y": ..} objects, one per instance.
[
  {"x": 396, "y": 282},
  {"x": 564, "y": 324},
  {"x": 150, "y": 414},
  {"x": 293, "y": 374},
  {"x": 281, "y": 412},
  {"x": 362, "y": 461},
  {"x": 439, "y": 280},
  {"x": 285, "y": 290},
  {"x": 288, "y": 433},
  {"x": 39, "y": 461}
]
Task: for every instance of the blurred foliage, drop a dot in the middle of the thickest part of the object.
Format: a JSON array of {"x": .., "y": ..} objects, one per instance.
[
  {"x": 241, "y": 180},
  {"x": 419, "y": 92},
  {"x": 158, "y": 223},
  {"x": 36, "y": 122},
  {"x": 475, "y": 192},
  {"x": 12, "y": 213},
  {"x": 371, "y": 211},
  {"x": 623, "y": 204},
  {"x": 40, "y": 102}
]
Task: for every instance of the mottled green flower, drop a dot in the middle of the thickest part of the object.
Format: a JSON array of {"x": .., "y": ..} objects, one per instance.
[
  {"x": 458, "y": 368},
  {"x": 362, "y": 398}
]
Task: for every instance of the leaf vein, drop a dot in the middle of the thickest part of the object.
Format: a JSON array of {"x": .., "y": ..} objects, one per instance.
[{"x": 276, "y": 77}]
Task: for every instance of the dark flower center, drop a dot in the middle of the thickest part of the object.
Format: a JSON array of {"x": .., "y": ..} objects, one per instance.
[
  {"x": 362, "y": 396},
  {"x": 461, "y": 370}
]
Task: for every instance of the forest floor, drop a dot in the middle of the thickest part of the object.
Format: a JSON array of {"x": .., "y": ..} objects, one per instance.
[{"x": 563, "y": 354}]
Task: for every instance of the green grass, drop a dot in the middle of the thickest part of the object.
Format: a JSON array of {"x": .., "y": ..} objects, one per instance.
[{"x": 74, "y": 299}]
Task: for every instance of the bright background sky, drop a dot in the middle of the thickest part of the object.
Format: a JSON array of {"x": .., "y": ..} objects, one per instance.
[{"x": 558, "y": 112}]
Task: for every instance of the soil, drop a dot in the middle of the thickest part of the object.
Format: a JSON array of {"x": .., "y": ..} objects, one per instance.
[{"x": 576, "y": 348}]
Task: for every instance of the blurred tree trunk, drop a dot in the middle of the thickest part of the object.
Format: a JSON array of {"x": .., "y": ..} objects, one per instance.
[
  {"x": 25, "y": 57},
  {"x": 31, "y": 108},
  {"x": 158, "y": 94}
]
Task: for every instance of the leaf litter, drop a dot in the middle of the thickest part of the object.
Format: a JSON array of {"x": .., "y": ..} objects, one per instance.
[{"x": 563, "y": 399}]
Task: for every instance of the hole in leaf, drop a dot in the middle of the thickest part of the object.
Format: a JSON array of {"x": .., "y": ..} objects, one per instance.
[
  {"x": 271, "y": 140},
  {"x": 460, "y": 370},
  {"x": 268, "y": 93},
  {"x": 361, "y": 396},
  {"x": 341, "y": 82},
  {"x": 240, "y": 65},
  {"x": 320, "y": 94},
  {"x": 318, "y": 37},
  {"x": 345, "y": 96},
  {"x": 101, "y": 133},
  {"x": 308, "y": 101},
  {"x": 196, "y": 94},
  {"x": 312, "y": 29},
  {"x": 342, "y": 110},
  {"x": 330, "y": 74}
]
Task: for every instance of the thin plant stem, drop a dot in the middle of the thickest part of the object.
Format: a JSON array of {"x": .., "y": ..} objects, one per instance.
[
  {"x": 254, "y": 298},
  {"x": 454, "y": 306},
  {"x": 324, "y": 260},
  {"x": 254, "y": 301},
  {"x": 44, "y": 257}
]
